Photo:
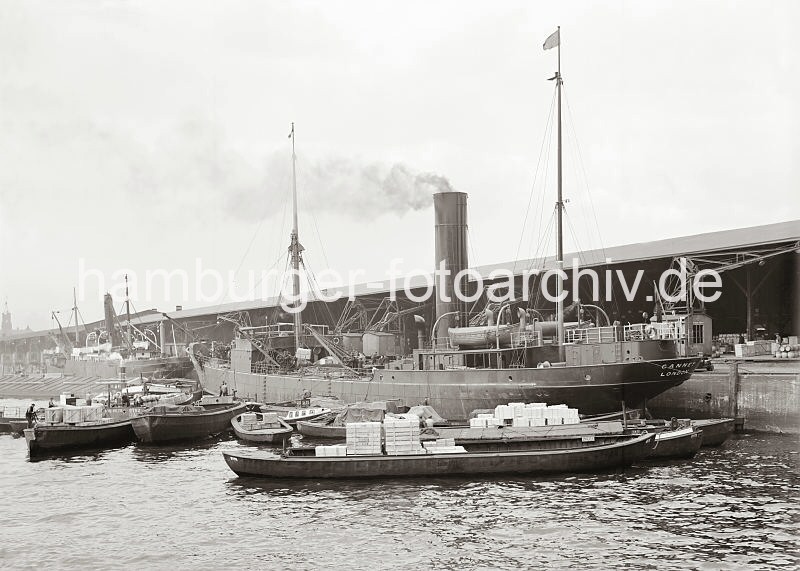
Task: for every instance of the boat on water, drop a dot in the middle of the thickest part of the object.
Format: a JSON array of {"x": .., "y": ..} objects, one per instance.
[
  {"x": 57, "y": 438},
  {"x": 675, "y": 444},
  {"x": 322, "y": 427},
  {"x": 334, "y": 425},
  {"x": 293, "y": 415},
  {"x": 114, "y": 351},
  {"x": 174, "y": 423},
  {"x": 583, "y": 459},
  {"x": 468, "y": 361},
  {"x": 11, "y": 414},
  {"x": 17, "y": 426},
  {"x": 261, "y": 427},
  {"x": 715, "y": 430}
]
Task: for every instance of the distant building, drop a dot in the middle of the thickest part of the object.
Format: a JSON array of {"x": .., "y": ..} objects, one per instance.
[{"x": 6, "y": 329}]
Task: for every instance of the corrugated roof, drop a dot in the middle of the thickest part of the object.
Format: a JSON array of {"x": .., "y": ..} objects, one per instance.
[{"x": 710, "y": 242}]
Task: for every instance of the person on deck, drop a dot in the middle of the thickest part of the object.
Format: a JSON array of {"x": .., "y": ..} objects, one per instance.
[
  {"x": 223, "y": 389},
  {"x": 51, "y": 404},
  {"x": 30, "y": 415}
]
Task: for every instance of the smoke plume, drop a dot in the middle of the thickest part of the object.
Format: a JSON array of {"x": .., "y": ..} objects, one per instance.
[{"x": 193, "y": 168}]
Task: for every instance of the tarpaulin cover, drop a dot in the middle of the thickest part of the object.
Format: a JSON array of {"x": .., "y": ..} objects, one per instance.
[
  {"x": 361, "y": 412},
  {"x": 425, "y": 412}
]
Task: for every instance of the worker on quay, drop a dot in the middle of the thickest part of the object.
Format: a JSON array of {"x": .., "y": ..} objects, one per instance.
[{"x": 30, "y": 415}]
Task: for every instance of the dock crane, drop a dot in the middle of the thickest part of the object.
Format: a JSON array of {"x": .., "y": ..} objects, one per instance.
[
  {"x": 254, "y": 341},
  {"x": 64, "y": 337}
]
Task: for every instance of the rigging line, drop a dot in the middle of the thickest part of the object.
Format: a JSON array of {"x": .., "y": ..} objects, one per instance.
[
  {"x": 319, "y": 239},
  {"x": 474, "y": 258},
  {"x": 540, "y": 260},
  {"x": 535, "y": 176},
  {"x": 241, "y": 263},
  {"x": 578, "y": 247},
  {"x": 581, "y": 162},
  {"x": 540, "y": 201},
  {"x": 316, "y": 291},
  {"x": 264, "y": 274},
  {"x": 539, "y": 251},
  {"x": 585, "y": 176}
]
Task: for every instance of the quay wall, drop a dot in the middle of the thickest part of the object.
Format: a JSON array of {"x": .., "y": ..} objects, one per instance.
[{"x": 764, "y": 396}]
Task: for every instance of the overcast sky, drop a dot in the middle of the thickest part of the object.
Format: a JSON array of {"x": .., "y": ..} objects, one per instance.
[{"x": 145, "y": 135}]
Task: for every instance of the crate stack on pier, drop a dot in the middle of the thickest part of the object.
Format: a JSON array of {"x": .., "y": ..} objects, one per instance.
[
  {"x": 522, "y": 415},
  {"x": 788, "y": 348}
]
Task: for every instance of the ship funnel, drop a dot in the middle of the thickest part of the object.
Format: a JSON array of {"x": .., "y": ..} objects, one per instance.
[
  {"x": 108, "y": 310},
  {"x": 450, "y": 212},
  {"x": 523, "y": 318},
  {"x": 419, "y": 321}
]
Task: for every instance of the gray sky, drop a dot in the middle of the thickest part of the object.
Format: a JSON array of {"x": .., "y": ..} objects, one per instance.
[{"x": 142, "y": 135}]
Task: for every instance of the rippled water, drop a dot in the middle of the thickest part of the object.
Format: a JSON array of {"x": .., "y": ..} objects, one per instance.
[{"x": 147, "y": 507}]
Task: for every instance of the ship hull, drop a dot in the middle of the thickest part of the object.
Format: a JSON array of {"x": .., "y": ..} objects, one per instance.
[
  {"x": 592, "y": 389},
  {"x": 46, "y": 439},
  {"x": 163, "y": 367},
  {"x": 581, "y": 459},
  {"x": 166, "y": 427}
]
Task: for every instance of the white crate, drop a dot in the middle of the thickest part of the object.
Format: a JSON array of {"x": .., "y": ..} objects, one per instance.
[
  {"x": 54, "y": 415},
  {"x": 73, "y": 415}
]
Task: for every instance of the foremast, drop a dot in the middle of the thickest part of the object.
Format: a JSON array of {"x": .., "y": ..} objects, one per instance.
[
  {"x": 554, "y": 41},
  {"x": 295, "y": 251}
]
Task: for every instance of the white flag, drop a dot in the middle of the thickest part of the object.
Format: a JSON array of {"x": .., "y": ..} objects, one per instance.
[{"x": 552, "y": 40}]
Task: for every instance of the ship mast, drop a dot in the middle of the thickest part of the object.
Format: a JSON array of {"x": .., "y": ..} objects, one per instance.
[
  {"x": 75, "y": 310},
  {"x": 554, "y": 40},
  {"x": 295, "y": 250},
  {"x": 128, "y": 312}
]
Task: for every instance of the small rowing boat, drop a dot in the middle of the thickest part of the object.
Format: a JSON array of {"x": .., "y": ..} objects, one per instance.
[
  {"x": 680, "y": 443},
  {"x": 715, "y": 430},
  {"x": 262, "y": 427}
]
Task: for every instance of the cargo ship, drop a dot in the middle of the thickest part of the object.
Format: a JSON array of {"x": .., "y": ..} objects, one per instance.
[
  {"x": 467, "y": 364},
  {"x": 114, "y": 352}
]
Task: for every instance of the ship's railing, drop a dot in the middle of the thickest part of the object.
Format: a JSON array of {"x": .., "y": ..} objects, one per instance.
[
  {"x": 642, "y": 331},
  {"x": 12, "y": 412},
  {"x": 282, "y": 329},
  {"x": 526, "y": 339},
  {"x": 264, "y": 368},
  {"x": 440, "y": 344},
  {"x": 608, "y": 334},
  {"x": 633, "y": 332}
]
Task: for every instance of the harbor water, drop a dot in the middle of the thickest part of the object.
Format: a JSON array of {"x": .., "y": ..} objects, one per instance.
[{"x": 733, "y": 507}]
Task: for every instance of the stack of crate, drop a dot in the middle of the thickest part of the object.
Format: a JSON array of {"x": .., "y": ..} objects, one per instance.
[
  {"x": 402, "y": 435},
  {"x": 249, "y": 421},
  {"x": 332, "y": 450},
  {"x": 485, "y": 420},
  {"x": 521, "y": 415},
  {"x": 443, "y": 446},
  {"x": 363, "y": 438}
]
